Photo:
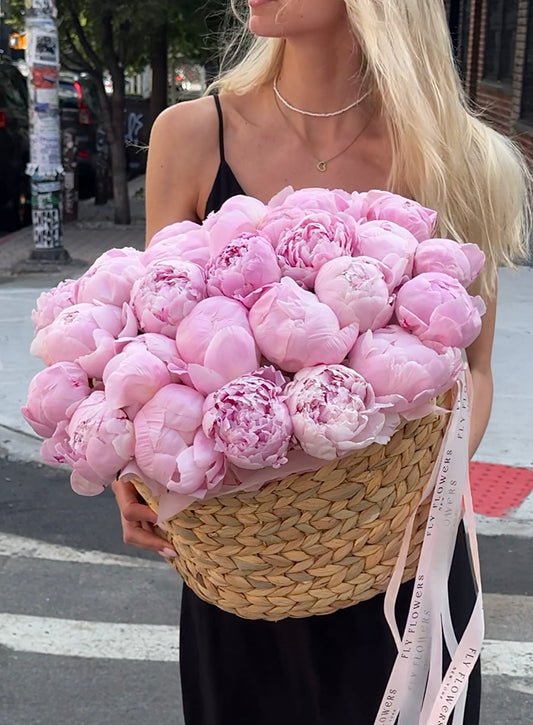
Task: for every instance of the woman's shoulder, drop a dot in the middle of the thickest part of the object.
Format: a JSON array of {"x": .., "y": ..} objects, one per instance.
[
  {"x": 182, "y": 161},
  {"x": 190, "y": 126}
]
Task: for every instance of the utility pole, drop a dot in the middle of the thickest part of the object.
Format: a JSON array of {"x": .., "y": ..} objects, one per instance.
[{"x": 45, "y": 167}]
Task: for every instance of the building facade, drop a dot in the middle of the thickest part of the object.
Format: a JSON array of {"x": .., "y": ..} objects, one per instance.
[{"x": 493, "y": 40}]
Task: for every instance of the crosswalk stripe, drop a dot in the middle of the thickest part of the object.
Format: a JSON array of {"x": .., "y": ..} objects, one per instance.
[
  {"x": 20, "y": 546},
  {"x": 159, "y": 643},
  {"x": 98, "y": 640},
  {"x": 513, "y": 659}
]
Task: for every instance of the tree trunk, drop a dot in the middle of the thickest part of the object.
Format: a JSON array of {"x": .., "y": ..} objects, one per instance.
[
  {"x": 113, "y": 123},
  {"x": 118, "y": 154},
  {"x": 114, "y": 51},
  {"x": 172, "y": 95},
  {"x": 159, "y": 60}
]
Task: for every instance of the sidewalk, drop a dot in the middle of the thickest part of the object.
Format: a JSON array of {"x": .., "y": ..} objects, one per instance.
[
  {"x": 509, "y": 437},
  {"x": 84, "y": 240}
]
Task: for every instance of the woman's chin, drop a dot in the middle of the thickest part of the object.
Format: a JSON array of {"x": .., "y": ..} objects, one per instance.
[
  {"x": 264, "y": 18},
  {"x": 265, "y": 28}
]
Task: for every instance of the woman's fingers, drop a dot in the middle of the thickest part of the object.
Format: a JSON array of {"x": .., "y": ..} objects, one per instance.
[
  {"x": 135, "y": 534},
  {"x": 137, "y": 521},
  {"x": 135, "y": 511}
]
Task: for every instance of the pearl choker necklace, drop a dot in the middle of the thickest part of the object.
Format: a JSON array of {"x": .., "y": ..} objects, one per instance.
[{"x": 311, "y": 113}]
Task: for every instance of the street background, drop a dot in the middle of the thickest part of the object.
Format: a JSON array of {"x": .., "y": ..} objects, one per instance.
[{"x": 89, "y": 627}]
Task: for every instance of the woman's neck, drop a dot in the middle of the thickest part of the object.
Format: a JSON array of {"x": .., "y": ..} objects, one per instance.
[{"x": 319, "y": 74}]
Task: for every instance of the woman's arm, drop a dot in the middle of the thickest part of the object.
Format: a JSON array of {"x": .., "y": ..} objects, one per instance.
[
  {"x": 479, "y": 359},
  {"x": 182, "y": 161}
]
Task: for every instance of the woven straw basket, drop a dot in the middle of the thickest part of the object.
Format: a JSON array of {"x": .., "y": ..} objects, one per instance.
[{"x": 314, "y": 542}]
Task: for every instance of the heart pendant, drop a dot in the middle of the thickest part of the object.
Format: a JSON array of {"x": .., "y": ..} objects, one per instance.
[{"x": 322, "y": 166}]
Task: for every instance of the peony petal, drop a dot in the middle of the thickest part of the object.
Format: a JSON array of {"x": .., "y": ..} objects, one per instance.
[
  {"x": 232, "y": 352},
  {"x": 204, "y": 379}
]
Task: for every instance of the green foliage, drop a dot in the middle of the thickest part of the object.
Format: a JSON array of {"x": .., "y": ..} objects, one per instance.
[
  {"x": 195, "y": 28},
  {"x": 192, "y": 28},
  {"x": 15, "y": 14}
]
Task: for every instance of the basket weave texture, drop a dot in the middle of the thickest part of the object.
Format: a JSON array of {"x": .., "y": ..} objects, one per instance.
[{"x": 314, "y": 542}]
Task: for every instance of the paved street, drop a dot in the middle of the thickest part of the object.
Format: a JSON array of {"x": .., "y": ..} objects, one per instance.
[
  {"x": 119, "y": 609},
  {"x": 70, "y": 587},
  {"x": 89, "y": 627}
]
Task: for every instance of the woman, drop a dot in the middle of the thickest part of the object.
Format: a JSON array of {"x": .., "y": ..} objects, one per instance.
[{"x": 358, "y": 95}]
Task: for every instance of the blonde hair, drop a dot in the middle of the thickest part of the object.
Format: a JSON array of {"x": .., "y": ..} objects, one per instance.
[{"x": 443, "y": 156}]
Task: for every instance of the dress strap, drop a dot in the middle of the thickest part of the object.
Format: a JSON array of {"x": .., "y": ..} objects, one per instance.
[{"x": 220, "y": 127}]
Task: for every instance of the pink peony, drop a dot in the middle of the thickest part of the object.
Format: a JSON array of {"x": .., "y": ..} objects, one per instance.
[
  {"x": 403, "y": 371},
  {"x": 238, "y": 215},
  {"x": 464, "y": 262},
  {"x": 161, "y": 346},
  {"x": 97, "y": 442},
  {"x": 171, "y": 231},
  {"x": 356, "y": 289},
  {"x": 132, "y": 377},
  {"x": 391, "y": 244},
  {"x": 85, "y": 334},
  {"x": 437, "y": 308},
  {"x": 356, "y": 207},
  {"x": 216, "y": 341},
  {"x": 51, "y": 303},
  {"x": 305, "y": 239},
  {"x": 190, "y": 246},
  {"x": 242, "y": 268},
  {"x": 409, "y": 214},
  {"x": 334, "y": 412},
  {"x": 110, "y": 277},
  {"x": 294, "y": 330},
  {"x": 166, "y": 293},
  {"x": 164, "y": 427},
  {"x": 201, "y": 468},
  {"x": 248, "y": 420},
  {"x": 53, "y": 395},
  {"x": 312, "y": 199}
]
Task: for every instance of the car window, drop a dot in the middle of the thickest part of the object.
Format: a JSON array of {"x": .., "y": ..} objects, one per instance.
[{"x": 67, "y": 94}]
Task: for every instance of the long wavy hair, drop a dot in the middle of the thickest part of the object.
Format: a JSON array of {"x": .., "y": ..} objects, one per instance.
[{"x": 443, "y": 155}]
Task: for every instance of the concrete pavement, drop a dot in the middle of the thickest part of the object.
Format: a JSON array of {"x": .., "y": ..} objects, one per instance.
[{"x": 508, "y": 440}]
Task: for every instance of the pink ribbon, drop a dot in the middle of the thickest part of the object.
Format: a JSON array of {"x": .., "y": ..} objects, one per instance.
[{"x": 416, "y": 693}]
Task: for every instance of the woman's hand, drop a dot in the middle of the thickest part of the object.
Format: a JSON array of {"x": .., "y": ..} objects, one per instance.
[{"x": 138, "y": 521}]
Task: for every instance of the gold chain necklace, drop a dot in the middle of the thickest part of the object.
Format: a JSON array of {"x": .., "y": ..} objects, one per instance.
[{"x": 322, "y": 164}]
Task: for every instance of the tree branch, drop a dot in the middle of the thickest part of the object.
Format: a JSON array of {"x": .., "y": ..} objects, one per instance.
[
  {"x": 92, "y": 56},
  {"x": 74, "y": 54}
]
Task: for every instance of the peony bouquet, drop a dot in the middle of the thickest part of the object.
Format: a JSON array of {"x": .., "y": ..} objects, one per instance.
[{"x": 265, "y": 341}]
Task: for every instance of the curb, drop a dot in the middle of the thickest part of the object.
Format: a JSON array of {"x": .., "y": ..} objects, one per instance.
[{"x": 20, "y": 446}]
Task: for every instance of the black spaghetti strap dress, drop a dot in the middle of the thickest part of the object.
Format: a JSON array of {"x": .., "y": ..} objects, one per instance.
[{"x": 320, "y": 670}]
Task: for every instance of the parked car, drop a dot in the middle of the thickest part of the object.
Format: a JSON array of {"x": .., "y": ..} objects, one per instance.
[
  {"x": 15, "y": 202},
  {"x": 79, "y": 109}
]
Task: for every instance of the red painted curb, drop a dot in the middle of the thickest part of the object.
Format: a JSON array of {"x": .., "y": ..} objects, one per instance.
[{"x": 498, "y": 490}]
